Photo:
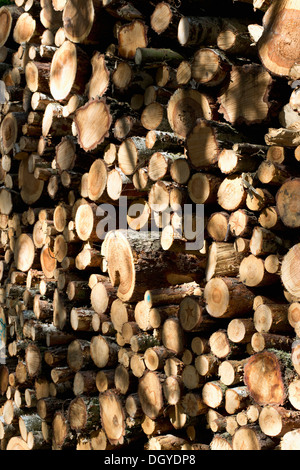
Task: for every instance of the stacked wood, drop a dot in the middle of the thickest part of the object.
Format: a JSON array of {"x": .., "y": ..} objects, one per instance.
[{"x": 149, "y": 325}]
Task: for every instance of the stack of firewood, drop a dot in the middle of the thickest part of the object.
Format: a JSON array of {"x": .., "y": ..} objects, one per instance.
[{"x": 113, "y": 336}]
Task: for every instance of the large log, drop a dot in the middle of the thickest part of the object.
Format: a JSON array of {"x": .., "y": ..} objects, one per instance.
[
  {"x": 280, "y": 24},
  {"x": 139, "y": 256}
]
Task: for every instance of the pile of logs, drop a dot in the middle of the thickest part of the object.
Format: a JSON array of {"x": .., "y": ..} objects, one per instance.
[{"x": 123, "y": 338}]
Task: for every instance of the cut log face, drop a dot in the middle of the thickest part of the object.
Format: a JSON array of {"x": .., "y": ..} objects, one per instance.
[
  {"x": 68, "y": 72},
  {"x": 112, "y": 417},
  {"x": 209, "y": 67},
  {"x": 24, "y": 252},
  {"x": 93, "y": 122},
  {"x": 6, "y": 24},
  {"x": 277, "y": 421},
  {"x": 161, "y": 18},
  {"x": 48, "y": 261},
  {"x": 246, "y": 438},
  {"x": 78, "y": 20},
  {"x": 97, "y": 180},
  {"x": 100, "y": 79},
  {"x": 290, "y": 441},
  {"x": 24, "y": 28},
  {"x": 132, "y": 36},
  {"x": 278, "y": 46},
  {"x": 10, "y": 130},
  {"x": 287, "y": 203},
  {"x": 151, "y": 394},
  {"x": 245, "y": 100},
  {"x": 226, "y": 297},
  {"x": 184, "y": 108},
  {"x": 290, "y": 273},
  {"x": 264, "y": 380}
]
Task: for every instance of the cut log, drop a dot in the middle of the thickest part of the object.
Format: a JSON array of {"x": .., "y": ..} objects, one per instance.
[
  {"x": 150, "y": 394},
  {"x": 258, "y": 200},
  {"x": 231, "y": 372},
  {"x": 132, "y": 278},
  {"x": 287, "y": 202},
  {"x": 240, "y": 330},
  {"x": 227, "y": 297},
  {"x": 211, "y": 137},
  {"x": 223, "y": 260},
  {"x": 104, "y": 351},
  {"x": 217, "y": 226},
  {"x": 194, "y": 31},
  {"x": 132, "y": 154},
  {"x": 221, "y": 346},
  {"x": 248, "y": 83},
  {"x": 173, "y": 336},
  {"x": 192, "y": 315},
  {"x": 231, "y": 193},
  {"x": 27, "y": 29},
  {"x": 290, "y": 441},
  {"x": 290, "y": 274},
  {"x": 251, "y": 438},
  {"x": 203, "y": 188},
  {"x": 69, "y": 71},
  {"x": 149, "y": 55},
  {"x": 83, "y": 412},
  {"x": 185, "y": 107},
  {"x": 272, "y": 318},
  {"x": 130, "y": 37},
  {"x": 171, "y": 295},
  {"x": 213, "y": 394},
  {"x": 265, "y": 392},
  {"x": 234, "y": 38},
  {"x": 236, "y": 399},
  {"x": 276, "y": 421},
  {"x": 209, "y": 67},
  {"x": 93, "y": 122},
  {"x": 264, "y": 242},
  {"x": 24, "y": 252},
  {"x": 164, "y": 19},
  {"x": 261, "y": 341},
  {"x": 241, "y": 223},
  {"x": 253, "y": 273},
  {"x": 82, "y": 23},
  {"x": 280, "y": 24}
]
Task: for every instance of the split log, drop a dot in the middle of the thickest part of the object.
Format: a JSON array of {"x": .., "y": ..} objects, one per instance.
[{"x": 223, "y": 260}]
